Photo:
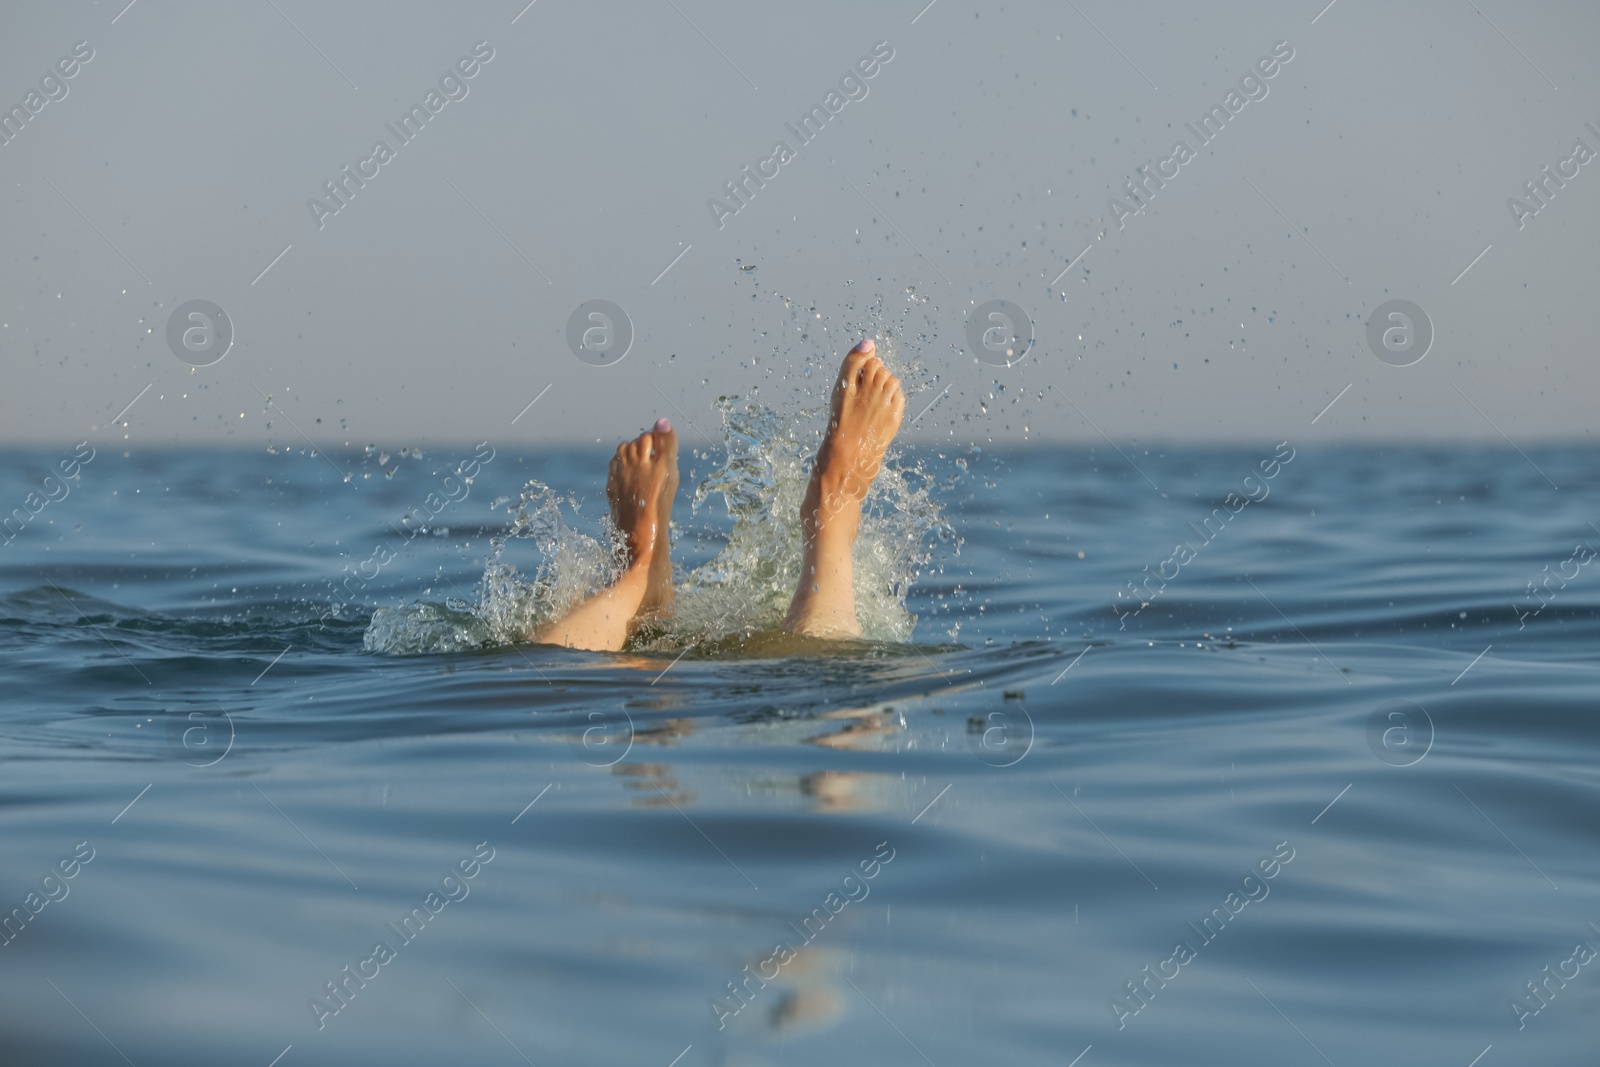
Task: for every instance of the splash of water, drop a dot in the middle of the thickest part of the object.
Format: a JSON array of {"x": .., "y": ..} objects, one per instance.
[
  {"x": 741, "y": 593},
  {"x": 747, "y": 587},
  {"x": 510, "y": 607}
]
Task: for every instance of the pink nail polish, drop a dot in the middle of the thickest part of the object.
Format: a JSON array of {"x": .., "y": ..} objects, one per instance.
[
  {"x": 866, "y": 345},
  {"x": 663, "y": 426}
]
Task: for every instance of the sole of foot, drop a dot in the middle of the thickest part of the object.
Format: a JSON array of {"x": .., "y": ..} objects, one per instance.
[
  {"x": 866, "y": 409},
  {"x": 659, "y": 596},
  {"x": 640, "y": 482}
]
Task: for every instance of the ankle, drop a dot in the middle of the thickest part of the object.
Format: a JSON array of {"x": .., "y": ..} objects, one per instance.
[
  {"x": 831, "y": 496},
  {"x": 837, "y": 482}
]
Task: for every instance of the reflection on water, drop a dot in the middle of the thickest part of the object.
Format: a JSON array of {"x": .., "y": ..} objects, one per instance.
[
  {"x": 863, "y": 729},
  {"x": 845, "y": 791},
  {"x": 807, "y": 996},
  {"x": 655, "y": 782}
]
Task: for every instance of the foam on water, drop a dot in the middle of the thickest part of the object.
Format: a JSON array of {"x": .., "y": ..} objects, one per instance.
[{"x": 742, "y": 592}]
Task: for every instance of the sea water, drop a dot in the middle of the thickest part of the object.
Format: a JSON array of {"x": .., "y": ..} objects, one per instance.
[{"x": 1321, "y": 788}]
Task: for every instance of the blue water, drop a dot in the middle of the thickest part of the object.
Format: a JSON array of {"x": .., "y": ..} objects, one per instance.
[{"x": 1046, "y": 788}]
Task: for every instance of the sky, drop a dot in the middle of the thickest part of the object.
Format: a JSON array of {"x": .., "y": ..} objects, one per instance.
[{"x": 586, "y": 157}]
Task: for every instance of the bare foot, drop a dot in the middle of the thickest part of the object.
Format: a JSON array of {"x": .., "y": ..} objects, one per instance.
[
  {"x": 659, "y": 595},
  {"x": 867, "y": 407},
  {"x": 636, "y": 482},
  {"x": 640, "y": 474}
]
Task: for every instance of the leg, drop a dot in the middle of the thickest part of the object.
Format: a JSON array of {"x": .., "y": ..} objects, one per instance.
[
  {"x": 641, "y": 472},
  {"x": 867, "y": 406}
]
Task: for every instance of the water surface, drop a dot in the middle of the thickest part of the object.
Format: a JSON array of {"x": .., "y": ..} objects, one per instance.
[{"x": 1062, "y": 785}]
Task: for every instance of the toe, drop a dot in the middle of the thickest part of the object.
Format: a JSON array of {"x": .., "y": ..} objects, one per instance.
[
  {"x": 666, "y": 440},
  {"x": 855, "y": 359}
]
